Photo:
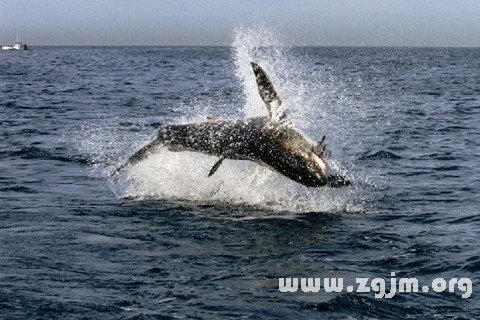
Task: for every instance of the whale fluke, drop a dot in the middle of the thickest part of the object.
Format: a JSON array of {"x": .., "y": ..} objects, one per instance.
[
  {"x": 268, "y": 93},
  {"x": 137, "y": 156}
]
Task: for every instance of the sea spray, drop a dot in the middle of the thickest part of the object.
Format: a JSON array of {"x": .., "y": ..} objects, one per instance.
[{"x": 312, "y": 103}]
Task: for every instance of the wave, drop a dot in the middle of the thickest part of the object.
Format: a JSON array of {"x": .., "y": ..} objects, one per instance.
[
  {"x": 380, "y": 155},
  {"x": 34, "y": 153}
]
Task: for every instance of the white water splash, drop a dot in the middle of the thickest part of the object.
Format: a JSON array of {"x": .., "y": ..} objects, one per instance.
[
  {"x": 183, "y": 175},
  {"x": 261, "y": 46}
]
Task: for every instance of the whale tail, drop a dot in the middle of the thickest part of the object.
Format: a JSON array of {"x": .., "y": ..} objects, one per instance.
[
  {"x": 138, "y": 156},
  {"x": 268, "y": 93}
]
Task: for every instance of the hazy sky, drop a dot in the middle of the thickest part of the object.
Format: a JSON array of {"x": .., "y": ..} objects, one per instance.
[{"x": 211, "y": 22}]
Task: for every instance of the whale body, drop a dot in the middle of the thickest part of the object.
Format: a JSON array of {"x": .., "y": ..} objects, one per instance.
[{"x": 271, "y": 141}]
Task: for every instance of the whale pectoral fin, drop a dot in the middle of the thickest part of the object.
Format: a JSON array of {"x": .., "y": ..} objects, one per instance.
[
  {"x": 319, "y": 148},
  {"x": 268, "y": 93},
  {"x": 216, "y": 166},
  {"x": 321, "y": 140}
]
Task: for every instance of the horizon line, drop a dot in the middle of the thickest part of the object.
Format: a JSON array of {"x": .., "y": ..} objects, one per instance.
[{"x": 229, "y": 46}]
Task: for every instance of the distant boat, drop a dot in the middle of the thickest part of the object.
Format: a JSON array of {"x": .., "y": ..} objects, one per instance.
[{"x": 18, "y": 45}]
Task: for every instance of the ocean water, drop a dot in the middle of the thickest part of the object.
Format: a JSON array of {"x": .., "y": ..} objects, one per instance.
[{"x": 163, "y": 241}]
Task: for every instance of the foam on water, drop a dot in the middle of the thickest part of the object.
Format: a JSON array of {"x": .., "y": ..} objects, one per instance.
[
  {"x": 183, "y": 175},
  {"x": 308, "y": 102}
]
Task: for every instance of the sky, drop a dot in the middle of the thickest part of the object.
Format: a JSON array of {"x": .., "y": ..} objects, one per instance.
[{"x": 425, "y": 23}]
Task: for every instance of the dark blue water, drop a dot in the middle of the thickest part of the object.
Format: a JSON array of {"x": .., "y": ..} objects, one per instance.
[{"x": 166, "y": 242}]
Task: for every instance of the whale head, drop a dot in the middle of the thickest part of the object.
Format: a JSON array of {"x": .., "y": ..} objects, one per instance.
[
  {"x": 298, "y": 157},
  {"x": 302, "y": 160}
]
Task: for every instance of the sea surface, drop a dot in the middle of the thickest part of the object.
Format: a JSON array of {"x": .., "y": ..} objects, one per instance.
[{"x": 164, "y": 241}]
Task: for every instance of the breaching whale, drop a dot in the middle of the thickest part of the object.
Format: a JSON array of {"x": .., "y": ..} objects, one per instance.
[{"x": 271, "y": 141}]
